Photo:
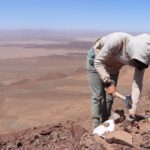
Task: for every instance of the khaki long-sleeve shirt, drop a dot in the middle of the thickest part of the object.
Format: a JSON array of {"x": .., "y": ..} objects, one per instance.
[{"x": 118, "y": 49}]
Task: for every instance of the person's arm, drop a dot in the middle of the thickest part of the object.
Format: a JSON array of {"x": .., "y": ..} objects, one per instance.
[
  {"x": 99, "y": 63},
  {"x": 111, "y": 47},
  {"x": 136, "y": 90}
]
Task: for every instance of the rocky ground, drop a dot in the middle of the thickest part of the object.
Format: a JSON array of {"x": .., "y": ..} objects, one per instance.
[
  {"x": 68, "y": 136},
  {"x": 71, "y": 136},
  {"x": 53, "y": 89}
]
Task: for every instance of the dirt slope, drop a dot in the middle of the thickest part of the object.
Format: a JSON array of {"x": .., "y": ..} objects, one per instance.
[
  {"x": 71, "y": 136},
  {"x": 43, "y": 90}
]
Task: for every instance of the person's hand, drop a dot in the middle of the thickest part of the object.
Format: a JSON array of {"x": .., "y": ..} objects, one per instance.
[
  {"x": 132, "y": 112},
  {"x": 111, "y": 90},
  {"x": 131, "y": 117}
]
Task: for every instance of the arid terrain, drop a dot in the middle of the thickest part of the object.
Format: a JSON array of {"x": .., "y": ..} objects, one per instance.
[{"x": 44, "y": 82}]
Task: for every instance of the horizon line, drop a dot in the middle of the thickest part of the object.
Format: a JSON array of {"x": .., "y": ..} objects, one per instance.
[{"x": 70, "y": 30}]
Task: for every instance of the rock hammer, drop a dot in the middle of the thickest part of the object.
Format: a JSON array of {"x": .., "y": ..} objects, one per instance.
[{"x": 127, "y": 99}]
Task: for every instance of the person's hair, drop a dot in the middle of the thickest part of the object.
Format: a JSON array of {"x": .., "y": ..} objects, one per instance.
[
  {"x": 97, "y": 41},
  {"x": 99, "y": 46}
]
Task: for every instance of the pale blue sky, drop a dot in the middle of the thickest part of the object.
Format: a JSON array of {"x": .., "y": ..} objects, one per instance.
[{"x": 103, "y": 15}]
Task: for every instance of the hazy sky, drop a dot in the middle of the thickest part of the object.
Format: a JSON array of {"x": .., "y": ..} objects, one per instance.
[{"x": 120, "y": 15}]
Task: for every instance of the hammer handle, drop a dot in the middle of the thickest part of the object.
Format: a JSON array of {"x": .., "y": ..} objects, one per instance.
[{"x": 120, "y": 96}]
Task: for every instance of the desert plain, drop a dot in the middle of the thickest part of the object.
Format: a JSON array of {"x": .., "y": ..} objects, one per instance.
[{"x": 43, "y": 81}]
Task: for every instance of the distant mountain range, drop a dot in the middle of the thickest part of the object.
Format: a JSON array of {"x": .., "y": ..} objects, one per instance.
[
  {"x": 29, "y": 34},
  {"x": 47, "y": 35}
]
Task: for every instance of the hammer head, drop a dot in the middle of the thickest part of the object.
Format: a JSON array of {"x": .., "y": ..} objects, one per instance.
[{"x": 128, "y": 101}]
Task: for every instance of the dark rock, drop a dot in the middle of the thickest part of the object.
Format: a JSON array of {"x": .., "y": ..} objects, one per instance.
[{"x": 19, "y": 144}]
